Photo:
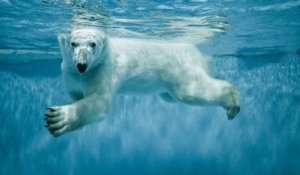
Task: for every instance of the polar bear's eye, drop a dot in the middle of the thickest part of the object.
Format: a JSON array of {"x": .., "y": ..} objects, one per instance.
[
  {"x": 92, "y": 44},
  {"x": 73, "y": 44}
]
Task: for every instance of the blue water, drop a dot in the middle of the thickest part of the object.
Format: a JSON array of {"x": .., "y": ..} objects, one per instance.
[{"x": 254, "y": 45}]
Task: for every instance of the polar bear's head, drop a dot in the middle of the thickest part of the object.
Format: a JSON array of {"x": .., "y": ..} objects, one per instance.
[{"x": 83, "y": 48}]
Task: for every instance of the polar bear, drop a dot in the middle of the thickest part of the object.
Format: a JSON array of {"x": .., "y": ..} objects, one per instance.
[{"x": 95, "y": 68}]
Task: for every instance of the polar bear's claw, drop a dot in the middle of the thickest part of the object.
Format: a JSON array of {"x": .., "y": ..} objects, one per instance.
[{"x": 54, "y": 108}]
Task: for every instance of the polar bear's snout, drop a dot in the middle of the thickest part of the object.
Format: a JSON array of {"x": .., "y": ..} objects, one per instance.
[{"x": 82, "y": 58}]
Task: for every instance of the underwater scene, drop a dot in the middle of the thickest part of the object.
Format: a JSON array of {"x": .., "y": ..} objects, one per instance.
[{"x": 255, "y": 45}]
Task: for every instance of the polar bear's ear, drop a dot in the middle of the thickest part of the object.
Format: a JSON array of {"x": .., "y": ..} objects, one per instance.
[{"x": 63, "y": 39}]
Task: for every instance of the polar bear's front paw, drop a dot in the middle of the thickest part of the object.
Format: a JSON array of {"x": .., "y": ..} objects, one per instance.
[{"x": 61, "y": 119}]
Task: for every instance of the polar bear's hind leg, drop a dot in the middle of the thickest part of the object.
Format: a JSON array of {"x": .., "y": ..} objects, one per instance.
[{"x": 211, "y": 92}]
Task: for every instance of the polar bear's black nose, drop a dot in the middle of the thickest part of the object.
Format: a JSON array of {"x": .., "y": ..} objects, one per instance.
[{"x": 81, "y": 67}]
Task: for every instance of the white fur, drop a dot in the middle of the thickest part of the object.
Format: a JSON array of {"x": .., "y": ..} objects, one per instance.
[{"x": 178, "y": 72}]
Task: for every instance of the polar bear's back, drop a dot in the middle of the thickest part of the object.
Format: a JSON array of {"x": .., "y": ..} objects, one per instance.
[
  {"x": 156, "y": 52},
  {"x": 144, "y": 61}
]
